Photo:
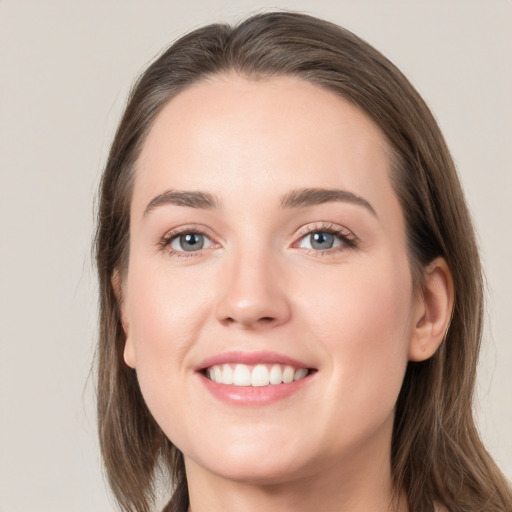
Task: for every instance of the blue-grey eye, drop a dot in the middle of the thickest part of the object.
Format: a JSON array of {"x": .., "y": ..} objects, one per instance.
[
  {"x": 321, "y": 241},
  {"x": 189, "y": 242}
]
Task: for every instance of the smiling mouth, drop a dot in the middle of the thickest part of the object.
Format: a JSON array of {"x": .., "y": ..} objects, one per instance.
[{"x": 257, "y": 375}]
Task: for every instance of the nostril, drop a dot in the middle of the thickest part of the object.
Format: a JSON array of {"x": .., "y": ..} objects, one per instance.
[{"x": 264, "y": 320}]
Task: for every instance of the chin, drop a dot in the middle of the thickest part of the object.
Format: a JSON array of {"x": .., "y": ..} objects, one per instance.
[
  {"x": 257, "y": 473},
  {"x": 253, "y": 463}
]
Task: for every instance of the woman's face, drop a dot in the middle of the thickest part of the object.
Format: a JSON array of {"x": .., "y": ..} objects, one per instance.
[{"x": 266, "y": 245}]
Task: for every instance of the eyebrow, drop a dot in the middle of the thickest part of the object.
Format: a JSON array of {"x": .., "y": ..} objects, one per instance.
[
  {"x": 299, "y": 198},
  {"x": 314, "y": 196},
  {"x": 194, "y": 199}
]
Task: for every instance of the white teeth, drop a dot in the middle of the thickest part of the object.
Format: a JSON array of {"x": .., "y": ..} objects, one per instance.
[
  {"x": 288, "y": 374},
  {"x": 260, "y": 376},
  {"x": 227, "y": 374},
  {"x": 300, "y": 373},
  {"x": 257, "y": 376},
  {"x": 242, "y": 375},
  {"x": 276, "y": 374},
  {"x": 217, "y": 373}
]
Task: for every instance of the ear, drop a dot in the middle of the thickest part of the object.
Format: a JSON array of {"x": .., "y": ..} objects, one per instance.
[
  {"x": 129, "y": 349},
  {"x": 433, "y": 311}
]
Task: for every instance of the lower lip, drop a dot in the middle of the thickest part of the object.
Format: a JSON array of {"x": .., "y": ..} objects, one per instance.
[{"x": 248, "y": 395}]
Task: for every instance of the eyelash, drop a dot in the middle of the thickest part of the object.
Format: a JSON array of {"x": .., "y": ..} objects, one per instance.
[
  {"x": 348, "y": 239},
  {"x": 169, "y": 237}
]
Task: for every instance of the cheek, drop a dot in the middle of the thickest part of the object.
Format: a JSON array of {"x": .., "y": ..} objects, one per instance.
[
  {"x": 166, "y": 311},
  {"x": 362, "y": 321},
  {"x": 166, "y": 316},
  {"x": 364, "y": 306}
]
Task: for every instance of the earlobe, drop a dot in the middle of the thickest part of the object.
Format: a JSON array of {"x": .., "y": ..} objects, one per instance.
[
  {"x": 433, "y": 312},
  {"x": 129, "y": 351}
]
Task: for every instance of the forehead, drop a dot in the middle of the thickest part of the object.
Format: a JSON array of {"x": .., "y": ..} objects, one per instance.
[{"x": 264, "y": 134}]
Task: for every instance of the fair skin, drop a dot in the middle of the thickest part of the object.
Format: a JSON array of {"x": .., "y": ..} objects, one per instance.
[{"x": 323, "y": 286}]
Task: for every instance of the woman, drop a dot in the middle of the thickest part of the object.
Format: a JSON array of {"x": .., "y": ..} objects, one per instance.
[{"x": 291, "y": 293}]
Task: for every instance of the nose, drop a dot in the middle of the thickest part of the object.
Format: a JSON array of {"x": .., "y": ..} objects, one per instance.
[{"x": 252, "y": 293}]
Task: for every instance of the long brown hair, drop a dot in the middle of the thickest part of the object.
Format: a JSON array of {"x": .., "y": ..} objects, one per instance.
[{"x": 437, "y": 454}]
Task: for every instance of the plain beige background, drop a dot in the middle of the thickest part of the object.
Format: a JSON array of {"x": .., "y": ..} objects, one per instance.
[{"x": 65, "y": 70}]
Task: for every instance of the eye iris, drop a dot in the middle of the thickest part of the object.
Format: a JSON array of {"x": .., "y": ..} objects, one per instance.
[
  {"x": 322, "y": 240},
  {"x": 191, "y": 242}
]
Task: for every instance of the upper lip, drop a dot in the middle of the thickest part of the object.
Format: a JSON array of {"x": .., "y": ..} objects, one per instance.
[{"x": 250, "y": 358}]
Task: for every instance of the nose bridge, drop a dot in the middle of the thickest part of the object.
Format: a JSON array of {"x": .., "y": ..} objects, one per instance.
[{"x": 251, "y": 288}]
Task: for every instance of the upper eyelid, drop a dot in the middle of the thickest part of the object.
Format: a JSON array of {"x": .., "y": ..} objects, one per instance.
[
  {"x": 324, "y": 226},
  {"x": 329, "y": 227},
  {"x": 165, "y": 240},
  {"x": 304, "y": 230},
  {"x": 188, "y": 228}
]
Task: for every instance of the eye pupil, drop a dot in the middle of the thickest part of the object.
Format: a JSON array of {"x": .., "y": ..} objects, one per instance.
[
  {"x": 322, "y": 240},
  {"x": 192, "y": 241}
]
